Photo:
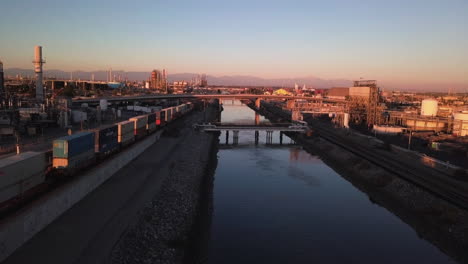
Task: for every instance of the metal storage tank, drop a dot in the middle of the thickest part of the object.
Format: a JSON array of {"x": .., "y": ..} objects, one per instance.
[
  {"x": 429, "y": 107},
  {"x": 103, "y": 104},
  {"x": 460, "y": 124}
]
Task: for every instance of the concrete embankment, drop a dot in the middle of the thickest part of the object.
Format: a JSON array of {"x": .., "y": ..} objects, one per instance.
[
  {"x": 435, "y": 220},
  {"x": 162, "y": 233},
  {"x": 90, "y": 230}
]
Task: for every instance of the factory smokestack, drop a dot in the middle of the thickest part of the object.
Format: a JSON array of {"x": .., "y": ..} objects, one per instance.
[
  {"x": 38, "y": 62},
  {"x": 2, "y": 85}
]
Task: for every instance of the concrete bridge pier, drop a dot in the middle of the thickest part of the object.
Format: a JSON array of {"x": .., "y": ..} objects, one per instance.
[
  {"x": 258, "y": 103},
  {"x": 227, "y": 137},
  {"x": 257, "y": 134},
  {"x": 269, "y": 137},
  {"x": 296, "y": 115},
  {"x": 235, "y": 137}
]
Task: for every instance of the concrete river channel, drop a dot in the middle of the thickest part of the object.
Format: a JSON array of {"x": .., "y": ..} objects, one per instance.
[{"x": 279, "y": 204}]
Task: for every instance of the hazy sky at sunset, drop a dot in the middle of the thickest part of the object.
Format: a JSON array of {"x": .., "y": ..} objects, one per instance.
[{"x": 413, "y": 41}]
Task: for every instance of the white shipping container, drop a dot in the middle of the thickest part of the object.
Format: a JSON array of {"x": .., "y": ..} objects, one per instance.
[
  {"x": 126, "y": 127},
  {"x": 140, "y": 121},
  {"x": 20, "y": 173},
  {"x": 126, "y": 139}
]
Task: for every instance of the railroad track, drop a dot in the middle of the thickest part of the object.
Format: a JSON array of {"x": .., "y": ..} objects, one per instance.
[{"x": 441, "y": 184}]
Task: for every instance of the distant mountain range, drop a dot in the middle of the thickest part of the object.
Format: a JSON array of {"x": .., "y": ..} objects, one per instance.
[{"x": 238, "y": 80}]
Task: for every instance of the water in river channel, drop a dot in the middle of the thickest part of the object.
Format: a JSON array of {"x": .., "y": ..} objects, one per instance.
[{"x": 278, "y": 204}]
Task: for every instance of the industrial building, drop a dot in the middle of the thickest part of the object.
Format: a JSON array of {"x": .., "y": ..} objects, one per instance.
[{"x": 158, "y": 80}]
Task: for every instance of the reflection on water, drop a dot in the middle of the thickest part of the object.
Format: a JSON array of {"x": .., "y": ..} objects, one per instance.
[{"x": 278, "y": 204}]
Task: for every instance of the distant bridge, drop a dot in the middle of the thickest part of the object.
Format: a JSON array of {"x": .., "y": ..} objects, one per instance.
[
  {"x": 263, "y": 127},
  {"x": 201, "y": 96},
  {"x": 268, "y": 128}
]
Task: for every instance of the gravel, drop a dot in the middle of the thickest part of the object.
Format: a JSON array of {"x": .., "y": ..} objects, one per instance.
[{"x": 162, "y": 232}]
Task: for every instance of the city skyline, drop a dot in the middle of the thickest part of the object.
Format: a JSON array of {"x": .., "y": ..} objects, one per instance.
[{"x": 400, "y": 44}]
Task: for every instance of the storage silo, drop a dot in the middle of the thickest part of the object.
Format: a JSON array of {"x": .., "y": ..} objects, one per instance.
[
  {"x": 460, "y": 124},
  {"x": 429, "y": 107}
]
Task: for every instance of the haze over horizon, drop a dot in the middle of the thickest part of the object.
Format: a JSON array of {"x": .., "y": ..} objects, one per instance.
[{"x": 416, "y": 45}]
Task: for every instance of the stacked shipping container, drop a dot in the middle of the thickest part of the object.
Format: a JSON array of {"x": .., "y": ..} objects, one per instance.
[
  {"x": 140, "y": 123},
  {"x": 107, "y": 139},
  {"x": 126, "y": 133},
  {"x": 73, "y": 151},
  {"x": 20, "y": 173}
]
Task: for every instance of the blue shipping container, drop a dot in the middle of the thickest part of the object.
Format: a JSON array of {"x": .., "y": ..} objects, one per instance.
[
  {"x": 107, "y": 139},
  {"x": 73, "y": 145}
]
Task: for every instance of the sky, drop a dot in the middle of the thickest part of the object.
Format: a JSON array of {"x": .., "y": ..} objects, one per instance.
[{"x": 410, "y": 43}]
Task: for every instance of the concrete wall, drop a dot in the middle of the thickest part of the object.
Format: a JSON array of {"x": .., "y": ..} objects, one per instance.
[{"x": 18, "y": 229}]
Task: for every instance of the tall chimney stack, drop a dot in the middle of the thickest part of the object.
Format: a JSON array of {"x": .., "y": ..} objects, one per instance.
[
  {"x": 38, "y": 62},
  {"x": 2, "y": 85}
]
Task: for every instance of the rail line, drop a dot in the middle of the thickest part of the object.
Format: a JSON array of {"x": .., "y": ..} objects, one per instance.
[{"x": 438, "y": 183}]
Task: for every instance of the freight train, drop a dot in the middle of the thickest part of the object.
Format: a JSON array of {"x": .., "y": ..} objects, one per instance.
[{"x": 22, "y": 174}]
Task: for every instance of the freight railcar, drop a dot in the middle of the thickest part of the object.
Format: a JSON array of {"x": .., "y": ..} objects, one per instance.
[
  {"x": 168, "y": 114},
  {"x": 126, "y": 133},
  {"x": 106, "y": 140},
  {"x": 21, "y": 173},
  {"x": 74, "y": 152},
  {"x": 140, "y": 123},
  {"x": 151, "y": 125},
  {"x": 160, "y": 118}
]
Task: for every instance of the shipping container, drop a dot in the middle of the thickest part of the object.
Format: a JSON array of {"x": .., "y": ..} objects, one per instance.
[
  {"x": 78, "y": 161},
  {"x": 140, "y": 123},
  {"x": 126, "y": 139},
  {"x": 20, "y": 173},
  {"x": 151, "y": 126},
  {"x": 168, "y": 114},
  {"x": 152, "y": 118},
  {"x": 106, "y": 139},
  {"x": 163, "y": 117},
  {"x": 126, "y": 132},
  {"x": 74, "y": 152},
  {"x": 126, "y": 127},
  {"x": 73, "y": 145}
]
